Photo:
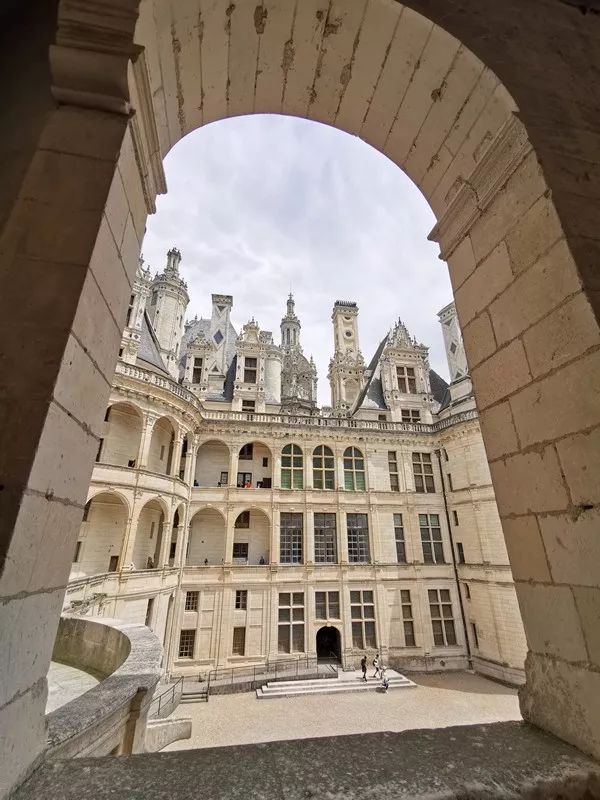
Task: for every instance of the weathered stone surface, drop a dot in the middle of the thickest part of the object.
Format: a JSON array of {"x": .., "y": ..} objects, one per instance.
[{"x": 504, "y": 760}]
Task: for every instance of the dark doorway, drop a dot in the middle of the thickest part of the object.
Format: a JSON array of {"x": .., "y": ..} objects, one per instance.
[{"x": 329, "y": 646}]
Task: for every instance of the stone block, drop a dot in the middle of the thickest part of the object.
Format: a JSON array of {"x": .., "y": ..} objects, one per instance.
[
  {"x": 524, "y": 187},
  {"x": 110, "y": 275},
  {"x": 561, "y": 336},
  {"x": 537, "y": 230},
  {"x": 130, "y": 250},
  {"x": 580, "y": 460},
  {"x": 573, "y": 547},
  {"x": 487, "y": 282},
  {"x": 79, "y": 386},
  {"x": 499, "y": 434},
  {"x": 64, "y": 457},
  {"x": 534, "y": 293},
  {"x": 461, "y": 263},
  {"x": 502, "y": 374},
  {"x": 564, "y": 402},
  {"x": 22, "y": 735},
  {"x": 132, "y": 181},
  {"x": 526, "y": 549},
  {"x": 84, "y": 132},
  {"x": 96, "y": 328},
  {"x": 588, "y": 605},
  {"x": 117, "y": 208},
  {"x": 529, "y": 483},
  {"x": 479, "y": 340},
  {"x": 551, "y": 621},
  {"x": 28, "y": 625},
  {"x": 564, "y": 699},
  {"x": 36, "y": 567}
]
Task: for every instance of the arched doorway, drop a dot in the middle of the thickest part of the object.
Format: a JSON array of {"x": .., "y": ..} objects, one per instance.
[{"x": 329, "y": 644}]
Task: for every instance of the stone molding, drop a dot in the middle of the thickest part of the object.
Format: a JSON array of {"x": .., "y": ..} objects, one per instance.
[
  {"x": 94, "y": 44},
  {"x": 500, "y": 160}
]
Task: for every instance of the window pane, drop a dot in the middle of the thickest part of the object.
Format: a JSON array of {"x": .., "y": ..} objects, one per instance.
[
  {"x": 298, "y": 598},
  {"x": 356, "y": 612},
  {"x": 284, "y": 615},
  {"x": 283, "y": 639},
  {"x": 409, "y": 634},
  {"x": 370, "y": 639},
  {"x": 357, "y": 637},
  {"x": 367, "y": 597},
  {"x": 334, "y": 605},
  {"x": 284, "y": 599},
  {"x": 450, "y": 634},
  {"x": 298, "y": 614},
  {"x": 355, "y": 597},
  {"x": 298, "y": 638}
]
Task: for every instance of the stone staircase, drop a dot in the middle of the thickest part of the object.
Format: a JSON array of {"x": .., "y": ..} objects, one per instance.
[{"x": 346, "y": 682}]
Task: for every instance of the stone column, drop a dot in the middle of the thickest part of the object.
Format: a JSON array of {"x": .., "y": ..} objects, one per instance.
[
  {"x": 521, "y": 282},
  {"x": 145, "y": 440},
  {"x": 309, "y": 535},
  {"x": 165, "y": 545},
  {"x": 190, "y": 460},
  {"x": 128, "y": 545},
  {"x": 232, "y": 513},
  {"x": 176, "y": 457},
  {"x": 233, "y": 463},
  {"x": 274, "y": 555},
  {"x": 342, "y": 537}
]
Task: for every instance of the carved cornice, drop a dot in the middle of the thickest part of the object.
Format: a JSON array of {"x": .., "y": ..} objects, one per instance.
[
  {"x": 500, "y": 160},
  {"x": 94, "y": 44}
]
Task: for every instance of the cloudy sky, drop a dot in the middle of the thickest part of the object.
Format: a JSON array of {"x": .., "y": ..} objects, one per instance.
[{"x": 261, "y": 204}]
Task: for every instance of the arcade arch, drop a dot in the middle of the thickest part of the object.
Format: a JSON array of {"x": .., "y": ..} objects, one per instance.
[
  {"x": 101, "y": 535},
  {"x": 123, "y": 434},
  {"x": 255, "y": 466},
  {"x": 251, "y": 537},
  {"x": 162, "y": 443},
  {"x": 206, "y": 545},
  {"x": 150, "y": 530},
  {"x": 212, "y": 464}
]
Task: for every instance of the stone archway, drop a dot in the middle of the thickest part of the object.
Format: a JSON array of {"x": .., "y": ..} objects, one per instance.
[
  {"x": 521, "y": 244},
  {"x": 329, "y": 644}
]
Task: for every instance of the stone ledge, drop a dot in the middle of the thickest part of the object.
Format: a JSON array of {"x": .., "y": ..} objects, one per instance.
[
  {"x": 504, "y": 760},
  {"x": 129, "y": 654}
]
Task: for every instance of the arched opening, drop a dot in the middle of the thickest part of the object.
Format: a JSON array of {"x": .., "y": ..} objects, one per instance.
[
  {"x": 255, "y": 466},
  {"x": 251, "y": 538},
  {"x": 206, "y": 544},
  {"x": 421, "y": 97},
  {"x": 149, "y": 537},
  {"x": 329, "y": 644},
  {"x": 162, "y": 442},
  {"x": 122, "y": 436},
  {"x": 212, "y": 464},
  {"x": 101, "y": 535}
]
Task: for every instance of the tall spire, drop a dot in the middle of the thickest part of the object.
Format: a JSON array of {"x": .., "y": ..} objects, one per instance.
[{"x": 290, "y": 328}]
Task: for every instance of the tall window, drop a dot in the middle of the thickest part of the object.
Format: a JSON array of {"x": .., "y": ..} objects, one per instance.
[
  {"x": 290, "y": 633},
  {"x": 393, "y": 468},
  {"x": 249, "y": 370},
  {"x": 323, "y": 468},
  {"x": 239, "y": 642},
  {"x": 423, "y": 473},
  {"x": 325, "y": 539},
  {"x": 191, "y": 601},
  {"x": 327, "y": 605},
  {"x": 241, "y": 599},
  {"x": 411, "y": 415},
  {"x": 290, "y": 538},
  {"x": 354, "y": 470},
  {"x": 292, "y": 468},
  {"x": 475, "y": 636},
  {"x": 197, "y": 370},
  {"x": 362, "y": 611},
  {"x": 130, "y": 310},
  {"x": 408, "y": 619},
  {"x": 407, "y": 383},
  {"x": 431, "y": 539},
  {"x": 358, "y": 538},
  {"x": 460, "y": 552},
  {"x": 399, "y": 536},
  {"x": 187, "y": 640},
  {"x": 442, "y": 620}
]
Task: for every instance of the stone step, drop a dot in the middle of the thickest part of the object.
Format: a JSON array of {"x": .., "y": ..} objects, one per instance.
[
  {"x": 300, "y": 688},
  {"x": 194, "y": 697}
]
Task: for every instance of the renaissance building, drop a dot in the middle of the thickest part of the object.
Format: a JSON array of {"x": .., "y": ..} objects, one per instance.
[{"x": 243, "y": 524}]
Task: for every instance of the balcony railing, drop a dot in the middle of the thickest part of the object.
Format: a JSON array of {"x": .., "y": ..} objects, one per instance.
[{"x": 171, "y": 385}]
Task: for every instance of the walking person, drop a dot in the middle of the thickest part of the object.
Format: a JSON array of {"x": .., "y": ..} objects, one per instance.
[
  {"x": 377, "y": 665},
  {"x": 363, "y": 666}
]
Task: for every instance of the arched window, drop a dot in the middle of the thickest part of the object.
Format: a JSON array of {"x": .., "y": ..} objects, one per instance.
[
  {"x": 323, "y": 468},
  {"x": 292, "y": 471},
  {"x": 354, "y": 470}
]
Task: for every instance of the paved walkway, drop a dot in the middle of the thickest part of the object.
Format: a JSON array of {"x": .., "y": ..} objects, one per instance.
[
  {"x": 438, "y": 701},
  {"x": 65, "y": 684}
]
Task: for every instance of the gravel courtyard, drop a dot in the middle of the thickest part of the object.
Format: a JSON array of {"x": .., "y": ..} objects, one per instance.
[{"x": 438, "y": 701}]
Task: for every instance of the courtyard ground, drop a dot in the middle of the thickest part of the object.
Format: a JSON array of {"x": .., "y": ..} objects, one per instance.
[{"x": 438, "y": 701}]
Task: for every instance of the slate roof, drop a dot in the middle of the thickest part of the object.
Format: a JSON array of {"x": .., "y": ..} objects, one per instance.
[{"x": 149, "y": 351}]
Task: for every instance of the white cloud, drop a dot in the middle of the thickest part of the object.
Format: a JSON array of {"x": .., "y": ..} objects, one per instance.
[{"x": 260, "y": 204}]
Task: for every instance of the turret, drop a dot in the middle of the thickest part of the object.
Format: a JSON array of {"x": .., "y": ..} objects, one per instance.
[
  {"x": 461, "y": 388},
  {"x": 298, "y": 375},
  {"x": 168, "y": 303},
  {"x": 140, "y": 291},
  {"x": 347, "y": 367},
  {"x": 290, "y": 328}
]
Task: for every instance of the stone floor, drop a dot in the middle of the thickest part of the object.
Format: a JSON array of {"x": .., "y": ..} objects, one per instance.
[
  {"x": 438, "y": 701},
  {"x": 65, "y": 683}
]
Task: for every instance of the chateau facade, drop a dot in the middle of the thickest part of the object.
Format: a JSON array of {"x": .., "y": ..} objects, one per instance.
[{"x": 244, "y": 524}]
